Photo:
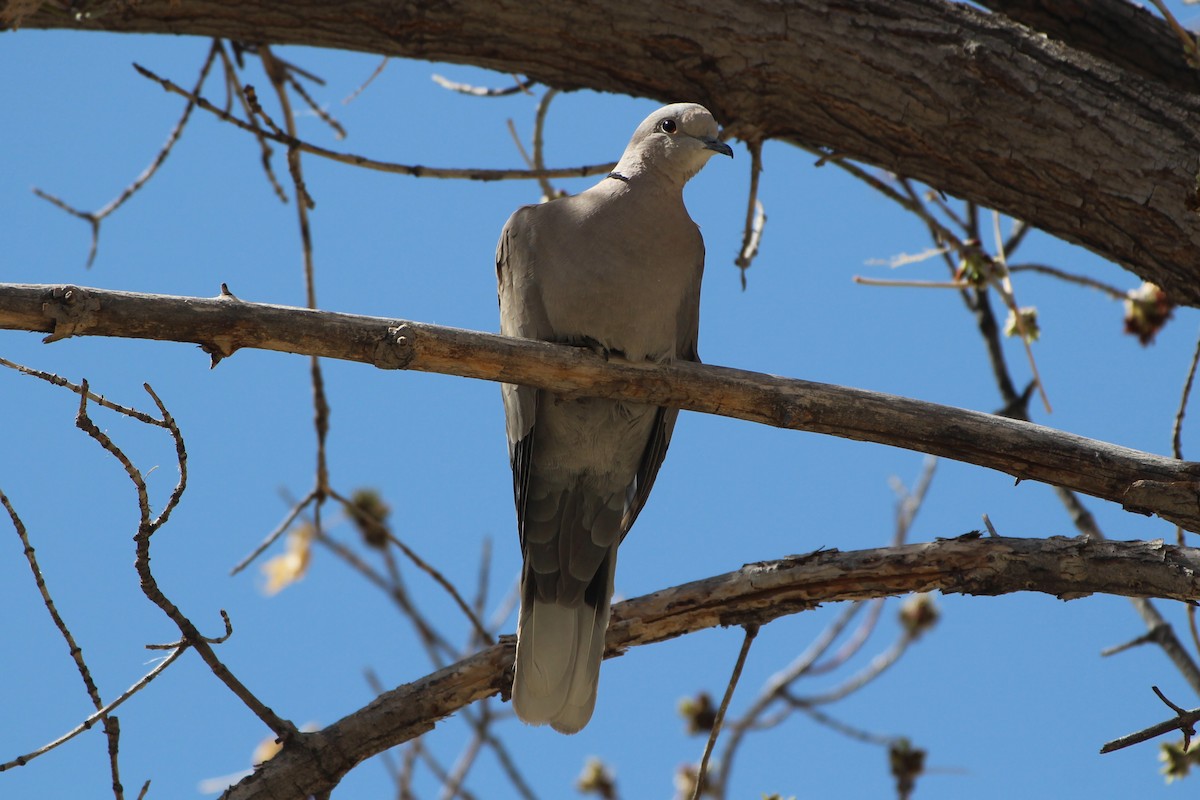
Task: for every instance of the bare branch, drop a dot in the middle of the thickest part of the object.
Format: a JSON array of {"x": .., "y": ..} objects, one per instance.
[
  {"x": 414, "y": 171},
  {"x": 1139, "y": 481},
  {"x": 1183, "y": 720},
  {"x": 755, "y": 594}
]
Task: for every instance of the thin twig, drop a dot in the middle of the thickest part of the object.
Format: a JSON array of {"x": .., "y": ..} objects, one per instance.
[
  {"x": 91, "y": 720},
  {"x": 1187, "y": 40},
  {"x": 756, "y": 216},
  {"x": 1177, "y": 427},
  {"x": 233, "y": 88},
  {"x": 99, "y": 400},
  {"x": 702, "y": 772},
  {"x": 435, "y": 644},
  {"x": 910, "y": 284},
  {"x": 370, "y": 79},
  {"x": 415, "y": 171},
  {"x": 1005, "y": 287},
  {"x": 39, "y": 580},
  {"x": 322, "y": 114},
  {"x": 1016, "y": 236},
  {"x": 850, "y": 731},
  {"x": 510, "y": 767},
  {"x": 146, "y": 529},
  {"x": 483, "y": 582},
  {"x": 539, "y": 141},
  {"x": 453, "y": 785},
  {"x": 274, "y": 535},
  {"x": 483, "y": 91},
  {"x": 1070, "y": 277},
  {"x": 428, "y": 569},
  {"x": 94, "y": 218},
  {"x": 1184, "y": 721}
]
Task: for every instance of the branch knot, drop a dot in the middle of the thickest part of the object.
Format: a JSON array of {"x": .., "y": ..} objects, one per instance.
[
  {"x": 73, "y": 310},
  {"x": 396, "y": 350}
]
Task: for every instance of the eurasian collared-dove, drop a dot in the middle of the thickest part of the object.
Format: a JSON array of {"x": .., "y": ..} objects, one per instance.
[{"x": 616, "y": 268}]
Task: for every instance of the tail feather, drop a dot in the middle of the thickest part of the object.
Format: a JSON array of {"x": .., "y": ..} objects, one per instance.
[{"x": 557, "y": 670}]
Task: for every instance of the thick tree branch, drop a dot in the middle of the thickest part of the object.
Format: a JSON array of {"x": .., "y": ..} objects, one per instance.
[
  {"x": 970, "y": 102},
  {"x": 1139, "y": 481},
  {"x": 755, "y": 594},
  {"x": 1124, "y": 33}
]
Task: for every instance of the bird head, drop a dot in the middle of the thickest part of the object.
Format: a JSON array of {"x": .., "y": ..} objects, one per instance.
[{"x": 675, "y": 141}]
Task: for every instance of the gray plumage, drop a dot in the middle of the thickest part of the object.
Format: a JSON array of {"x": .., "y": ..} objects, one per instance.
[{"x": 615, "y": 268}]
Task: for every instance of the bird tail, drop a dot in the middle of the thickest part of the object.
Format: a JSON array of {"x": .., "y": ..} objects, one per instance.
[{"x": 559, "y": 650}]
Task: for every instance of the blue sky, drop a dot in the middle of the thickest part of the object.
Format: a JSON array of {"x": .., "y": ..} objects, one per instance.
[{"x": 1009, "y": 695}]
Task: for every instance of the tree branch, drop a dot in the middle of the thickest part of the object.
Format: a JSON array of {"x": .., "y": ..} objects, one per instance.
[
  {"x": 1139, "y": 481},
  {"x": 1124, "y": 33},
  {"x": 1100, "y": 153},
  {"x": 755, "y": 594}
]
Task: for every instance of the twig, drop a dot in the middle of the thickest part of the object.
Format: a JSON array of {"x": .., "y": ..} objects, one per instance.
[
  {"x": 910, "y": 284},
  {"x": 94, "y": 218},
  {"x": 427, "y": 568},
  {"x": 99, "y": 400},
  {"x": 322, "y": 114},
  {"x": 1004, "y": 286},
  {"x": 441, "y": 772},
  {"x": 847, "y": 730},
  {"x": 274, "y": 535},
  {"x": 1184, "y": 721},
  {"x": 278, "y": 72},
  {"x": 146, "y": 529},
  {"x": 539, "y": 141},
  {"x": 756, "y": 216},
  {"x": 1070, "y": 277},
  {"x": 908, "y": 505},
  {"x": 233, "y": 88},
  {"x": 702, "y": 772},
  {"x": 942, "y": 234},
  {"x": 39, "y": 580},
  {"x": 435, "y": 644},
  {"x": 112, "y": 731},
  {"x": 91, "y": 720},
  {"x": 1177, "y": 426},
  {"x": 370, "y": 79},
  {"x": 453, "y": 785},
  {"x": 483, "y": 582},
  {"x": 480, "y": 630},
  {"x": 510, "y": 767},
  {"x": 483, "y": 91},
  {"x": 1019, "y": 231},
  {"x": 877, "y": 667},
  {"x": 1187, "y": 40},
  {"x": 415, "y": 171}
]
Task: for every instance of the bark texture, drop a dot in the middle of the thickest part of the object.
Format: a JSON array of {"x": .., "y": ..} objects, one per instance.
[
  {"x": 1138, "y": 481},
  {"x": 757, "y": 593},
  {"x": 1075, "y": 135}
]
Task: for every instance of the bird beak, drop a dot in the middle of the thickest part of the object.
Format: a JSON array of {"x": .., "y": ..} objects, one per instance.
[{"x": 716, "y": 146}]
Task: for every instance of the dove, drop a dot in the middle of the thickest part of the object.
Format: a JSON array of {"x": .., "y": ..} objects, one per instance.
[{"x": 616, "y": 268}]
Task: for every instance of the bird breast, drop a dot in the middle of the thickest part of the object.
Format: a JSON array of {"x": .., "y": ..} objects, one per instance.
[{"x": 624, "y": 292}]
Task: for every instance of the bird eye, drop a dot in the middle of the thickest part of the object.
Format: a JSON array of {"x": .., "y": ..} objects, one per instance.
[{"x": 667, "y": 126}]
